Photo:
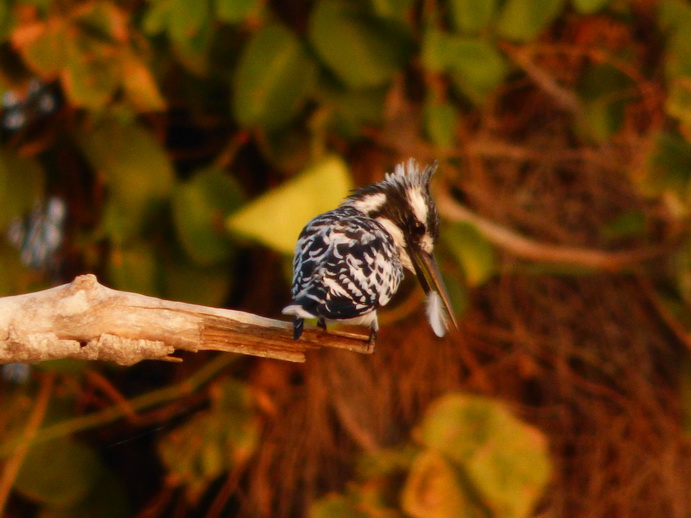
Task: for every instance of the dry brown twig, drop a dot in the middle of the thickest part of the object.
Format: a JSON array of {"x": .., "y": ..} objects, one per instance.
[
  {"x": 527, "y": 248},
  {"x": 85, "y": 320}
]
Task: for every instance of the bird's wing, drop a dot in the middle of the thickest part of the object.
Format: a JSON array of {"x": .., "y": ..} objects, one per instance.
[{"x": 345, "y": 266}]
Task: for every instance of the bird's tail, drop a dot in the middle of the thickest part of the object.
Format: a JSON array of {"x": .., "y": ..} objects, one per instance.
[{"x": 300, "y": 314}]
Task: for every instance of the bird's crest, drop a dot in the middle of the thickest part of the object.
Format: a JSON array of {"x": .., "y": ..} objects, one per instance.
[{"x": 407, "y": 174}]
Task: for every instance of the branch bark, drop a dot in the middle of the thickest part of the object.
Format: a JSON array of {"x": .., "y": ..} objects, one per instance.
[{"x": 85, "y": 320}]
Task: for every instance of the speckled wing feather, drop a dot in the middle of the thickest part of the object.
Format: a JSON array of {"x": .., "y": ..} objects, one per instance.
[{"x": 345, "y": 265}]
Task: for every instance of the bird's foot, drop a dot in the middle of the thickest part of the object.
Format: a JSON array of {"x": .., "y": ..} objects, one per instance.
[{"x": 297, "y": 327}]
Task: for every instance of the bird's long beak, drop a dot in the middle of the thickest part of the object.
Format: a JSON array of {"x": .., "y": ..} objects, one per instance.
[{"x": 428, "y": 274}]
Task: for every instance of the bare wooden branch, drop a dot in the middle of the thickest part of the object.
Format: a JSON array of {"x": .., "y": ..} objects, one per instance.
[
  {"x": 526, "y": 248},
  {"x": 85, "y": 320}
]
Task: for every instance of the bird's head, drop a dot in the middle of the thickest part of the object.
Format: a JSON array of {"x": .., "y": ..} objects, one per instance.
[{"x": 403, "y": 205}]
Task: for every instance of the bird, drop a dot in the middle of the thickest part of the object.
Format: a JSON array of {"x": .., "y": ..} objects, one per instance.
[{"x": 350, "y": 261}]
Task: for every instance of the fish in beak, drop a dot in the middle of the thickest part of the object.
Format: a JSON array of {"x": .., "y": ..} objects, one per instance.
[{"x": 439, "y": 311}]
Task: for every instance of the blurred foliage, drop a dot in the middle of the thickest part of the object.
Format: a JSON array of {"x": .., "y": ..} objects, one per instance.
[
  {"x": 472, "y": 458},
  {"x": 182, "y": 135},
  {"x": 68, "y": 479},
  {"x": 213, "y": 442}
]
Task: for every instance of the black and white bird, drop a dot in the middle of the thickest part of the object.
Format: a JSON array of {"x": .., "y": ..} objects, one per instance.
[{"x": 349, "y": 261}]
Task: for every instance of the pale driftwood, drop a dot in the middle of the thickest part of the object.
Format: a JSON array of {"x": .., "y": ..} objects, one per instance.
[{"x": 85, "y": 320}]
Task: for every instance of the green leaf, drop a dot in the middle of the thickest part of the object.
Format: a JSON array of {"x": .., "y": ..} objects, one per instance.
[
  {"x": 668, "y": 168},
  {"x": 205, "y": 285},
  {"x": 213, "y": 441},
  {"x": 94, "y": 41},
  {"x": 476, "y": 255},
  {"x": 134, "y": 167},
  {"x": 605, "y": 92},
  {"x": 471, "y": 16},
  {"x": 200, "y": 207},
  {"x": 476, "y": 66},
  {"x": 273, "y": 79},
  {"x": 350, "y": 109},
  {"x": 276, "y": 218},
  {"x": 22, "y": 182},
  {"x": 60, "y": 472},
  {"x": 376, "y": 48},
  {"x": 135, "y": 268},
  {"x": 235, "y": 11},
  {"x": 439, "y": 121},
  {"x": 188, "y": 25},
  {"x": 181, "y": 19},
  {"x": 524, "y": 20},
  {"x": 434, "y": 489},
  {"x": 589, "y": 6},
  {"x": 505, "y": 460}
]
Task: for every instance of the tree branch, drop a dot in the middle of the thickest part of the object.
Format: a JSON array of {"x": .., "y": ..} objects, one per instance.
[
  {"x": 526, "y": 248},
  {"x": 85, "y": 320}
]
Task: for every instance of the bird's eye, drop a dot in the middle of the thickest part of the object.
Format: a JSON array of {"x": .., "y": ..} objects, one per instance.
[{"x": 418, "y": 228}]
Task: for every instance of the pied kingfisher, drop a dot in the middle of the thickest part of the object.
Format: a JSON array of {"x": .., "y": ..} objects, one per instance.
[{"x": 349, "y": 261}]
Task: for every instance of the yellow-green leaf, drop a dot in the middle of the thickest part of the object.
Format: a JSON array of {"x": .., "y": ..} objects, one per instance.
[
  {"x": 504, "y": 459},
  {"x": 434, "y": 489},
  {"x": 476, "y": 255},
  {"x": 276, "y": 218}
]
